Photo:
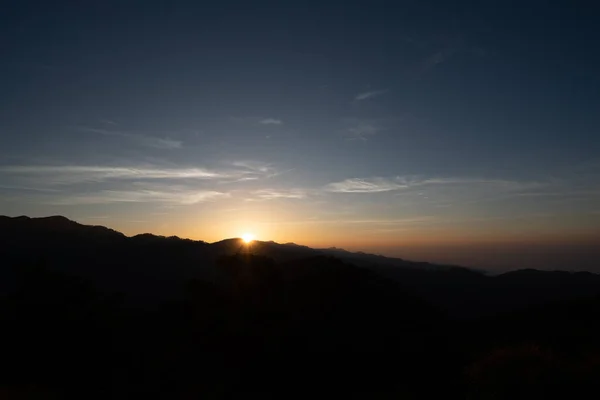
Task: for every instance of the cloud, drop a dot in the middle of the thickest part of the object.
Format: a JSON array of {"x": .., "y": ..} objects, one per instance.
[
  {"x": 72, "y": 174},
  {"x": 370, "y": 95},
  {"x": 434, "y": 59},
  {"x": 439, "y": 49},
  {"x": 167, "y": 143},
  {"x": 45, "y": 175},
  {"x": 144, "y": 140},
  {"x": 256, "y": 166},
  {"x": 378, "y": 184},
  {"x": 237, "y": 180},
  {"x": 76, "y": 184},
  {"x": 450, "y": 48},
  {"x": 362, "y": 132},
  {"x": 409, "y": 221},
  {"x": 185, "y": 197},
  {"x": 81, "y": 184},
  {"x": 271, "y": 121},
  {"x": 498, "y": 183},
  {"x": 364, "y": 128},
  {"x": 274, "y": 194},
  {"x": 358, "y": 185},
  {"x": 24, "y": 188}
]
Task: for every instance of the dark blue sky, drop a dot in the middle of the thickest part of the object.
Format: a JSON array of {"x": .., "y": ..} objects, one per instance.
[{"x": 387, "y": 120}]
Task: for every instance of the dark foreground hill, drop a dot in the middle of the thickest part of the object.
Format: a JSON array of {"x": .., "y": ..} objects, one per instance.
[{"x": 87, "y": 312}]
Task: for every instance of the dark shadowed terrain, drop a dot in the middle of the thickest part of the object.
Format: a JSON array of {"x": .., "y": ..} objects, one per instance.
[{"x": 87, "y": 312}]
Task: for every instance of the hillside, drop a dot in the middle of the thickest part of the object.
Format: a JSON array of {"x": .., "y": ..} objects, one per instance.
[
  {"x": 154, "y": 268},
  {"x": 152, "y": 316}
]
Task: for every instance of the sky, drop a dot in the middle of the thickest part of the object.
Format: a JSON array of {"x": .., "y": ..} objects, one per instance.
[{"x": 461, "y": 132}]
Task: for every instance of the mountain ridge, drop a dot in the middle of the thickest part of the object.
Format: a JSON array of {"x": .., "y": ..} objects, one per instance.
[
  {"x": 285, "y": 251},
  {"x": 155, "y": 268}
]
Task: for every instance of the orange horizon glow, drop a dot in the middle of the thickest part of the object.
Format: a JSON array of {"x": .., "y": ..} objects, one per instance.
[
  {"x": 354, "y": 237},
  {"x": 248, "y": 238}
]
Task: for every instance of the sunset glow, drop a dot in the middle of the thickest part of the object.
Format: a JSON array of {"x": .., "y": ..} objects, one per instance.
[
  {"x": 417, "y": 135},
  {"x": 247, "y": 238}
]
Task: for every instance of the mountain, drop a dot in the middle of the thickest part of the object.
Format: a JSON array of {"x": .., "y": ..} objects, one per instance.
[
  {"x": 106, "y": 252},
  {"x": 371, "y": 260},
  {"x": 163, "y": 317},
  {"x": 52, "y": 230},
  {"x": 42, "y": 228},
  {"x": 153, "y": 268}
]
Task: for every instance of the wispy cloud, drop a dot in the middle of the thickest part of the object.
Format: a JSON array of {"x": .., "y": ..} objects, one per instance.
[
  {"x": 358, "y": 185},
  {"x": 499, "y": 183},
  {"x": 76, "y": 184},
  {"x": 271, "y": 121},
  {"x": 370, "y": 94},
  {"x": 275, "y": 194},
  {"x": 251, "y": 165},
  {"x": 409, "y": 221},
  {"x": 143, "y": 140},
  {"x": 238, "y": 180},
  {"x": 378, "y": 184},
  {"x": 108, "y": 122},
  {"x": 187, "y": 197},
  {"x": 170, "y": 186},
  {"x": 24, "y": 188},
  {"x": 72, "y": 174},
  {"x": 450, "y": 46},
  {"x": 435, "y": 59},
  {"x": 440, "y": 48},
  {"x": 258, "y": 169},
  {"x": 460, "y": 192},
  {"x": 362, "y": 132},
  {"x": 364, "y": 128}
]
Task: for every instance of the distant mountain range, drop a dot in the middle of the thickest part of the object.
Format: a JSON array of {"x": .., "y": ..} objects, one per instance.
[
  {"x": 58, "y": 228},
  {"x": 132, "y": 317},
  {"x": 153, "y": 268}
]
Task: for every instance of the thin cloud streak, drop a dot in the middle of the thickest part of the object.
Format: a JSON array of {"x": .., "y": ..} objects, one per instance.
[
  {"x": 476, "y": 181},
  {"x": 378, "y": 184},
  {"x": 440, "y": 50},
  {"x": 144, "y": 140},
  {"x": 256, "y": 166},
  {"x": 73, "y": 174},
  {"x": 238, "y": 180},
  {"x": 188, "y": 197},
  {"x": 362, "y": 132},
  {"x": 24, "y": 188},
  {"x": 265, "y": 170},
  {"x": 358, "y": 185},
  {"x": 436, "y": 58},
  {"x": 271, "y": 121},
  {"x": 78, "y": 174},
  {"x": 426, "y": 219},
  {"x": 370, "y": 95},
  {"x": 276, "y": 194},
  {"x": 363, "y": 128}
]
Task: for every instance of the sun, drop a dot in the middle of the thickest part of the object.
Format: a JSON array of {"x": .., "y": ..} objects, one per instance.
[{"x": 247, "y": 238}]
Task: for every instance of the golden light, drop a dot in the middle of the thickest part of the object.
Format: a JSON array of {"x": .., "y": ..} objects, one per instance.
[{"x": 247, "y": 238}]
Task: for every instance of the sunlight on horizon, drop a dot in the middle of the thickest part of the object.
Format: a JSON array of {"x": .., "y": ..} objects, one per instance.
[{"x": 247, "y": 238}]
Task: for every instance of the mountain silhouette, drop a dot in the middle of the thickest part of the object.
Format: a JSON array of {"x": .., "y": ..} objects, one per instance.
[
  {"x": 151, "y": 266},
  {"x": 58, "y": 228},
  {"x": 89, "y": 312},
  {"x": 18, "y": 226}
]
